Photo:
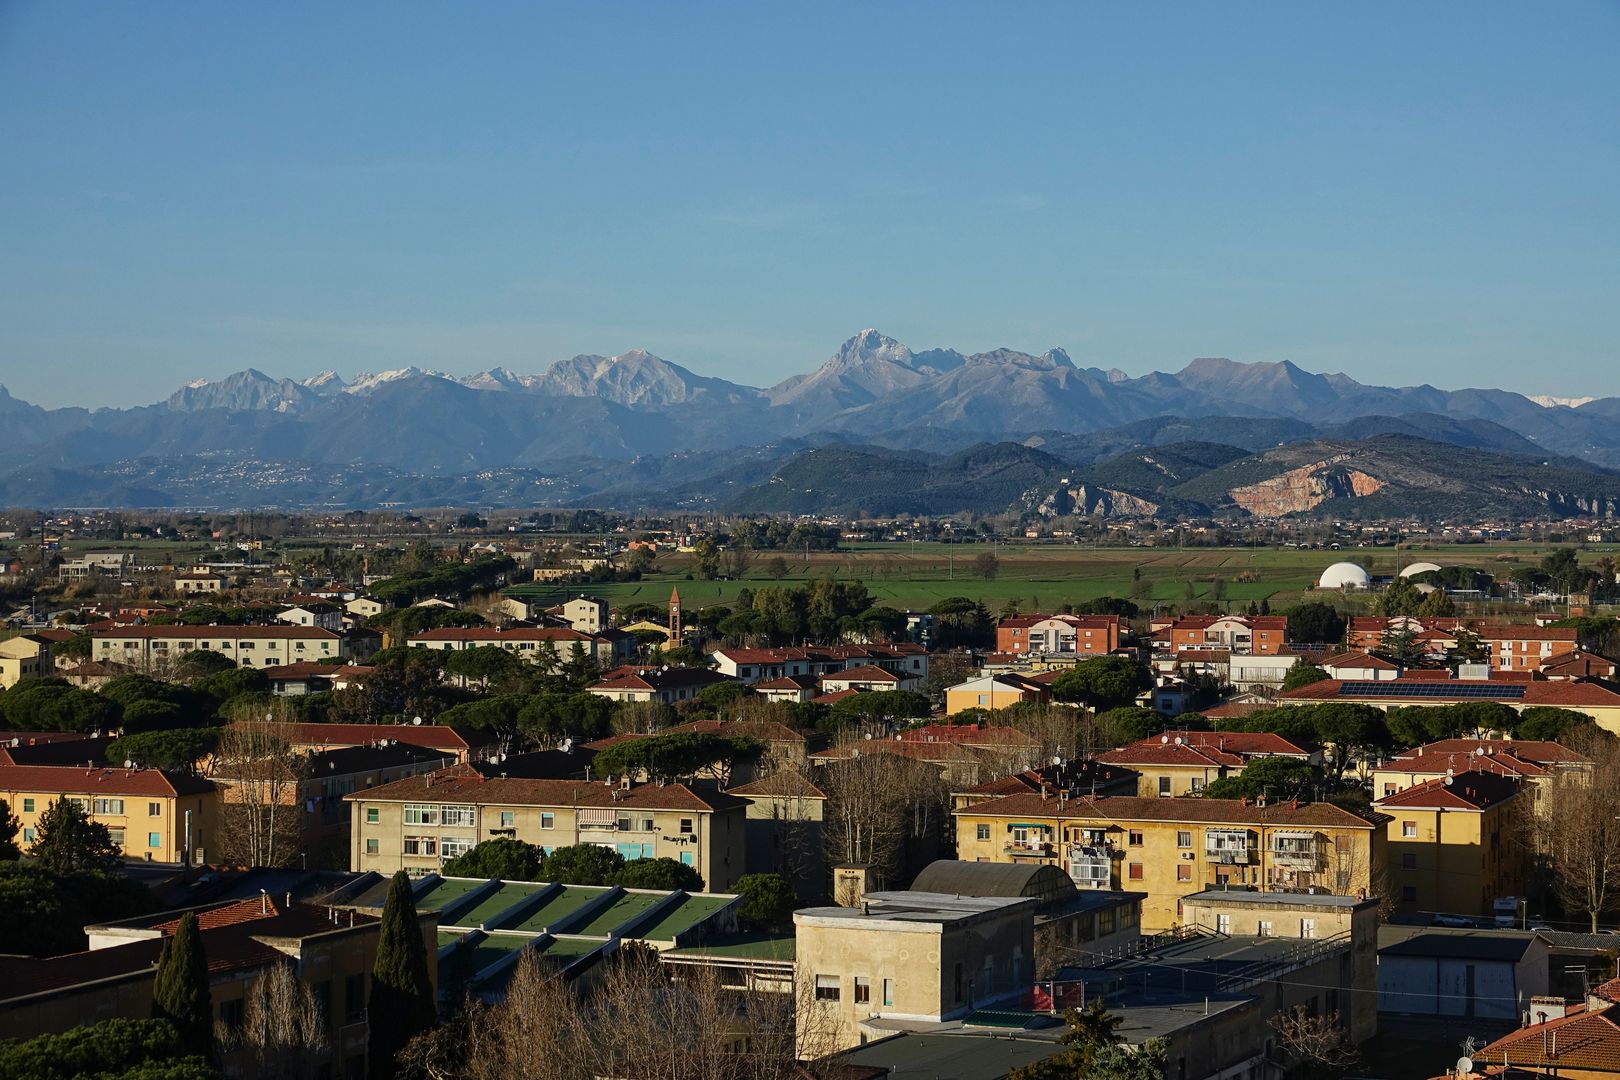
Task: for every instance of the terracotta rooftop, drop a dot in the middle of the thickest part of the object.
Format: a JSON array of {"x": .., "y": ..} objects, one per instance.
[
  {"x": 1472, "y": 790},
  {"x": 461, "y": 783},
  {"x": 1540, "y": 751},
  {"x": 278, "y": 631},
  {"x": 781, "y": 784},
  {"x": 864, "y": 673},
  {"x": 432, "y": 736},
  {"x": 1152, "y": 752},
  {"x": 1584, "y": 1040},
  {"x": 78, "y": 780},
  {"x": 1197, "y": 811}
]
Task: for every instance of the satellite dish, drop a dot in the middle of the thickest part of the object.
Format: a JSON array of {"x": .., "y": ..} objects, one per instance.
[
  {"x": 1057, "y": 759},
  {"x": 1465, "y": 1065},
  {"x": 416, "y": 720},
  {"x": 129, "y": 763},
  {"x": 1448, "y": 781},
  {"x": 1178, "y": 740},
  {"x": 1164, "y": 738},
  {"x": 868, "y": 735},
  {"x": 1479, "y": 751}
]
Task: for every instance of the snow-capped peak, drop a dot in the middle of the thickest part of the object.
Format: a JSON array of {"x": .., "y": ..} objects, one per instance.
[
  {"x": 325, "y": 383},
  {"x": 1549, "y": 401},
  {"x": 197, "y": 384},
  {"x": 366, "y": 381},
  {"x": 499, "y": 378}
]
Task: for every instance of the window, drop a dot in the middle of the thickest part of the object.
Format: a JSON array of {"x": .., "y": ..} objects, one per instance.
[
  {"x": 30, "y": 835},
  {"x": 1164, "y": 785},
  {"x": 154, "y": 809},
  {"x": 1136, "y": 838},
  {"x": 1307, "y": 928},
  {"x": 624, "y": 823},
  {"x": 827, "y": 987},
  {"x": 1408, "y": 894},
  {"x": 230, "y": 1015},
  {"x": 548, "y": 821},
  {"x": 458, "y": 817},
  {"x": 421, "y": 815},
  {"x": 28, "y": 806},
  {"x": 888, "y": 991},
  {"x": 1408, "y": 860},
  {"x": 354, "y": 998},
  {"x": 154, "y": 840},
  {"x": 957, "y": 981},
  {"x": 373, "y": 815},
  {"x": 372, "y": 847},
  {"x": 1409, "y": 829},
  {"x": 1389, "y": 789},
  {"x": 863, "y": 990},
  {"x": 117, "y": 837},
  {"x": 1134, "y": 871},
  {"x": 688, "y": 858},
  {"x": 1263, "y": 928},
  {"x": 421, "y": 845},
  {"x": 1183, "y": 839},
  {"x": 508, "y": 819},
  {"x": 1184, "y": 871},
  {"x": 686, "y": 826},
  {"x": 451, "y": 846},
  {"x": 1198, "y": 783},
  {"x": 1223, "y": 924},
  {"x": 983, "y": 832}
]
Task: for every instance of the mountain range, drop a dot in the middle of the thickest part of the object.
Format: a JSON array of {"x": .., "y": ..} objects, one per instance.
[{"x": 637, "y": 430}]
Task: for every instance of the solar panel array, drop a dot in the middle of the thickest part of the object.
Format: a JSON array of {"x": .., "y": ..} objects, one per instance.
[{"x": 1447, "y": 690}]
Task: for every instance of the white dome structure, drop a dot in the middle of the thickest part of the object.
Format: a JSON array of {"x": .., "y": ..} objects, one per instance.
[
  {"x": 1344, "y": 575},
  {"x": 1418, "y": 568}
]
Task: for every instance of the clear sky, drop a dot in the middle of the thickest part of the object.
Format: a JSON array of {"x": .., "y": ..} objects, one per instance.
[{"x": 1405, "y": 192}]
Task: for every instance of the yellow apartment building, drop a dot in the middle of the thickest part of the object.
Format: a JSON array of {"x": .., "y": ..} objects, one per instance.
[
  {"x": 1172, "y": 848},
  {"x": 145, "y": 810},
  {"x": 1452, "y": 843},
  {"x": 25, "y": 656},
  {"x": 994, "y": 692},
  {"x": 1178, "y": 763},
  {"x": 417, "y": 823}
]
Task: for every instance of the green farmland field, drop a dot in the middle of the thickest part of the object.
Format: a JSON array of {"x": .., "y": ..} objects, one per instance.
[{"x": 1042, "y": 576}]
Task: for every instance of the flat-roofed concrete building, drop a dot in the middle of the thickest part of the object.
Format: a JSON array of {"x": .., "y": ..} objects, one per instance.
[{"x": 914, "y": 956}]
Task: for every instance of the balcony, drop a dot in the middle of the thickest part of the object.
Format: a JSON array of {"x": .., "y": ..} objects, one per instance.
[
  {"x": 1092, "y": 872},
  {"x": 1028, "y": 848},
  {"x": 1228, "y": 856}
]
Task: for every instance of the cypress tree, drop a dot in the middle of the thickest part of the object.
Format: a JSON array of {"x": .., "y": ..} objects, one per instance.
[
  {"x": 180, "y": 992},
  {"x": 401, "y": 1003}
]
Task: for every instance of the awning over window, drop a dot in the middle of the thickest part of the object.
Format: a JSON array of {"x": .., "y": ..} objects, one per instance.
[{"x": 597, "y": 815}]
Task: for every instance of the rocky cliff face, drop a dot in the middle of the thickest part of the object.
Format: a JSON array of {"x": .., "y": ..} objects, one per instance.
[
  {"x": 1090, "y": 500},
  {"x": 1305, "y": 488}
]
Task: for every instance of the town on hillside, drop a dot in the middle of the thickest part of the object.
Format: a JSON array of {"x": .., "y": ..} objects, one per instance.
[{"x": 379, "y": 795}]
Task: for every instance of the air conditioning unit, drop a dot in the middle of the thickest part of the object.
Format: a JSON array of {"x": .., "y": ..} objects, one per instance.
[{"x": 1187, "y": 855}]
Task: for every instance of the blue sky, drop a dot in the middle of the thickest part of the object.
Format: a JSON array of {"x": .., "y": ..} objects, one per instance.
[{"x": 1404, "y": 192}]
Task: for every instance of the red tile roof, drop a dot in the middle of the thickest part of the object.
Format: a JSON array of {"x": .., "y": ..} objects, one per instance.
[
  {"x": 970, "y": 735},
  {"x": 1539, "y": 751},
  {"x": 864, "y": 673},
  {"x": 431, "y": 736},
  {"x": 490, "y": 633},
  {"x": 1584, "y": 1040},
  {"x": 1194, "y": 810},
  {"x": 461, "y": 783},
  {"x": 279, "y": 631},
  {"x": 1470, "y": 790},
  {"x": 1150, "y": 752},
  {"x": 78, "y": 780},
  {"x": 781, "y": 784}
]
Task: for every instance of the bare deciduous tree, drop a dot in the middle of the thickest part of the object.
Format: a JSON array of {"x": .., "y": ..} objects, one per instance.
[
  {"x": 1314, "y": 1044},
  {"x": 283, "y": 1034},
  {"x": 636, "y": 1022},
  {"x": 257, "y": 769},
  {"x": 1578, "y": 836},
  {"x": 886, "y": 811}
]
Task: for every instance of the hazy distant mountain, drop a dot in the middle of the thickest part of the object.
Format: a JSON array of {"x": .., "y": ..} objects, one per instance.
[
  {"x": 593, "y": 417},
  {"x": 639, "y": 380},
  {"x": 864, "y": 368},
  {"x": 246, "y": 391}
]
